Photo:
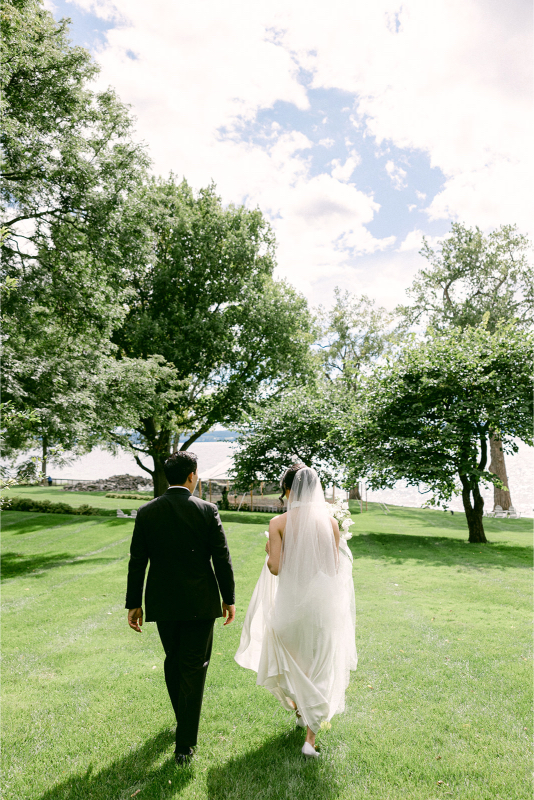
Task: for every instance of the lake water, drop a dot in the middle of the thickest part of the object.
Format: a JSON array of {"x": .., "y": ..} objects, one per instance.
[{"x": 101, "y": 464}]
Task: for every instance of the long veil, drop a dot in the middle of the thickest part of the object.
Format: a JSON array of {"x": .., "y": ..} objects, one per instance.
[
  {"x": 309, "y": 546},
  {"x": 298, "y": 633}
]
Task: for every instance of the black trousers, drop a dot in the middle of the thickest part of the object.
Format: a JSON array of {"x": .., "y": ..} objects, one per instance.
[{"x": 187, "y": 648}]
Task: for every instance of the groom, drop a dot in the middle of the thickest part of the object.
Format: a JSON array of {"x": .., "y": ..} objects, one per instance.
[{"x": 181, "y": 536}]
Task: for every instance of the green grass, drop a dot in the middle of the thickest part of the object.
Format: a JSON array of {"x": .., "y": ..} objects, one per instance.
[
  {"x": 57, "y": 495},
  {"x": 442, "y": 690}
]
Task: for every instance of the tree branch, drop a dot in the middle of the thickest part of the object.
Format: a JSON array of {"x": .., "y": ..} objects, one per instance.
[
  {"x": 17, "y": 176},
  {"x": 195, "y": 436},
  {"x": 446, "y": 294},
  {"x": 483, "y": 450},
  {"x": 30, "y": 216},
  {"x": 466, "y": 491},
  {"x": 124, "y": 442},
  {"x": 140, "y": 464}
]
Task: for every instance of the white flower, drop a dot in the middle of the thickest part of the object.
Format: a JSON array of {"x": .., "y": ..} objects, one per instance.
[
  {"x": 346, "y": 524},
  {"x": 266, "y": 533}
]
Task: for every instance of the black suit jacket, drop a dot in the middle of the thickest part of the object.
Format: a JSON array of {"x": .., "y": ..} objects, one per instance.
[{"x": 180, "y": 535}]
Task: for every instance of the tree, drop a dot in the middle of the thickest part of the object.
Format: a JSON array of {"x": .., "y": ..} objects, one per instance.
[
  {"x": 68, "y": 154},
  {"x": 203, "y": 298},
  {"x": 58, "y": 379},
  {"x": 472, "y": 277},
  {"x": 294, "y": 426},
  {"x": 351, "y": 336},
  {"x": 16, "y": 423},
  {"x": 426, "y": 416},
  {"x": 58, "y": 390},
  {"x": 354, "y": 334},
  {"x": 68, "y": 163}
]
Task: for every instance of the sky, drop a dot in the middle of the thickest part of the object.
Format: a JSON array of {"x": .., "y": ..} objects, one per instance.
[{"x": 356, "y": 126}]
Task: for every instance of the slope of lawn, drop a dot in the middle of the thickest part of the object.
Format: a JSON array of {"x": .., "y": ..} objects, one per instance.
[
  {"x": 58, "y": 495},
  {"x": 440, "y": 705},
  {"x": 94, "y": 499}
]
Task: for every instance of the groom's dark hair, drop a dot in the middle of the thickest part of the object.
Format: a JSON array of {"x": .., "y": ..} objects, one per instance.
[{"x": 179, "y": 466}]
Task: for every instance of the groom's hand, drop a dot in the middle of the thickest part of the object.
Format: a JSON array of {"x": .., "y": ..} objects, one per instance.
[
  {"x": 135, "y": 618},
  {"x": 230, "y": 610}
]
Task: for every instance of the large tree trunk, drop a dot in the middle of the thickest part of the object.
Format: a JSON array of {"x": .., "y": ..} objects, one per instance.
[
  {"x": 44, "y": 457},
  {"x": 158, "y": 476},
  {"x": 501, "y": 497},
  {"x": 159, "y": 444},
  {"x": 474, "y": 511},
  {"x": 354, "y": 493}
]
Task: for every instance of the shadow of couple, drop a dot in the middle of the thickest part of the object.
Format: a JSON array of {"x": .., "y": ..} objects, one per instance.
[{"x": 262, "y": 772}]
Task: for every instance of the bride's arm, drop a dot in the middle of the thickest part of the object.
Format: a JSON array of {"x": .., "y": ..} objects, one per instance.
[
  {"x": 275, "y": 545},
  {"x": 335, "y": 528}
]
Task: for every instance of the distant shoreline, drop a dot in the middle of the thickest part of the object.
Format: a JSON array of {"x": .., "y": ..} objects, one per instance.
[{"x": 101, "y": 464}]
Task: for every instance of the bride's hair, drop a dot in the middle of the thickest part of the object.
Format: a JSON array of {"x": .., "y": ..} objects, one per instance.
[{"x": 288, "y": 477}]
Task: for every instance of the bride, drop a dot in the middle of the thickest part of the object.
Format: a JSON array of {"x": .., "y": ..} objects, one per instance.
[{"x": 299, "y": 630}]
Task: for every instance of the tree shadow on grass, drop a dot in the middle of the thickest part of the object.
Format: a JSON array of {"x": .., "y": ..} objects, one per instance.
[
  {"x": 439, "y": 551},
  {"x": 128, "y": 774},
  {"x": 275, "y": 771},
  {"x": 15, "y": 566},
  {"x": 20, "y": 522},
  {"x": 247, "y": 517},
  {"x": 420, "y": 519}
]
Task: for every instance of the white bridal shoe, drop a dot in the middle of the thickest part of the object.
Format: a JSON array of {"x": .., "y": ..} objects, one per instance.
[
  {"x": 309, "y": 751},
  {"x": 301, "y": 723}
]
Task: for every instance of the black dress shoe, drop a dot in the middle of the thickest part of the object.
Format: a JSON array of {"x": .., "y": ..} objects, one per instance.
[{"x": 183, "y": 758}]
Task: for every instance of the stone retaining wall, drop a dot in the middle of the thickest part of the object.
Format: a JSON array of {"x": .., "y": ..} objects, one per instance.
[{"x": 116, "y": 483}]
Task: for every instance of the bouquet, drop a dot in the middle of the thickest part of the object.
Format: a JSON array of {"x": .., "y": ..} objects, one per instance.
[{"x": 339, "y": 509}]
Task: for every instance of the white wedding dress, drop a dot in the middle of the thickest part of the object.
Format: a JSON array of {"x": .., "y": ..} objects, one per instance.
[{"x": 299, "y": 630}]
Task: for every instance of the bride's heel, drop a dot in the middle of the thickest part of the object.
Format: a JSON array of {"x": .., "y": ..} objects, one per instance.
[{"x": 308, "y": 751}]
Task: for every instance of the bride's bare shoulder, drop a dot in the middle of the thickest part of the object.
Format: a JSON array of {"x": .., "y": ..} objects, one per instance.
[{"x": 278, "y": 523}]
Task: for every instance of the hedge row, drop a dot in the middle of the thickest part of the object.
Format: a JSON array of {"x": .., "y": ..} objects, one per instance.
[
  {"x": 130, "y": 496},
  {"x": 25, "y": 504}
]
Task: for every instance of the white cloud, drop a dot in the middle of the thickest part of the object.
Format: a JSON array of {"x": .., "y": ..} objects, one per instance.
[
  {"x": 498, "y": 193},
  {"x": 200, "y": 76},
  {"x": 342, "y": 172},
  {"x": 450, "y": 78},
  {"x": 414, "y": 241},
  {"x": 320, "y": 226},
  {"x": 397, "y": 174},
  {"x": 382, "y": 275}
]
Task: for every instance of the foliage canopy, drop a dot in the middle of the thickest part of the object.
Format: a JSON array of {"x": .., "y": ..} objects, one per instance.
[
  {"x": 472, "y": 277},
  {"x": 426, "y": 416},
  {"x": 203, "y": 299}
]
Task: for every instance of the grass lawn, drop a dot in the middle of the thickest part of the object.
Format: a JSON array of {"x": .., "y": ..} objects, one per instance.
[
  {"x": 96, "y": 499},
  {"x": 440, "y": 705},
  {"x": 57, "y": 495}
]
